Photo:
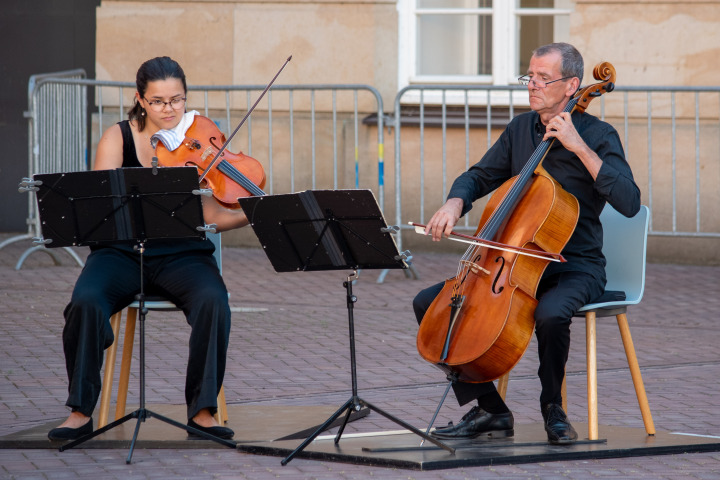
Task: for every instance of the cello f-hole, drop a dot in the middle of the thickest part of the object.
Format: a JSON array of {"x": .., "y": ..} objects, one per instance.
[{"x": 497, "y": 277}]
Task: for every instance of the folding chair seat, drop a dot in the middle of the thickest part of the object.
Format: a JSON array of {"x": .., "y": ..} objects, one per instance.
[
  {"x": 624, "y": 247},
  {"x": 152, "y": 303}
]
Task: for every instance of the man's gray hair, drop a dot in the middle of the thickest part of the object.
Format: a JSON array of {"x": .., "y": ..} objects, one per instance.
[{"x": 572, "y": 61}]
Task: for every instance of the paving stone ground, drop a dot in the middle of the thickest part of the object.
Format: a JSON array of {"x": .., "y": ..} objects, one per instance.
[{"x": 289, "y": 346}]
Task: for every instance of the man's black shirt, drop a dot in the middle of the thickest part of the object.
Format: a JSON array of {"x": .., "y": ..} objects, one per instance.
[{"x": 614, "y": 183}]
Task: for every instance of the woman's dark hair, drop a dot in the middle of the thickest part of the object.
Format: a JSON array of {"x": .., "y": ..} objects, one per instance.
[{"x": 158, "y": 68}]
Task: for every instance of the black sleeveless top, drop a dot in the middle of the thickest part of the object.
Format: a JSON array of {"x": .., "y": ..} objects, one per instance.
[
  {"x": 130, "y": 158},
  {"x": 162, "y": 246}
]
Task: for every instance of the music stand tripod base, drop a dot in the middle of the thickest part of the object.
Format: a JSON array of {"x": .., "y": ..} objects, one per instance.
[
  {"x": 355, "y": 402},
  {"x": 319, "y": 230},
  {"x": 130, "y": 206}
]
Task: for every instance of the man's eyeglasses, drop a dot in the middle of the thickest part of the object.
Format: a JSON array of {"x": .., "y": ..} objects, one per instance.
[
  {"x": 525, "y": 81},
  {"x": 159, "y": 105}
]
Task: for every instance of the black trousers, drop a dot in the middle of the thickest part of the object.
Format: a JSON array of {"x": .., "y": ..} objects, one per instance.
[
  {"x": 559, "y": 296},
  {"x": 109, "y": 281}
]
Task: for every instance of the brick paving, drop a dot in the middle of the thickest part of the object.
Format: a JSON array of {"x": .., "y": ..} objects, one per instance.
[{"x": 289, "y": 346}]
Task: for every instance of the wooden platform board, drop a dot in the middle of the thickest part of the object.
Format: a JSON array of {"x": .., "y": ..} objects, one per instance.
[
  {"x": 251, "y": 424},
  {"x": 279, "y": 430},
  {"x": 529, "y": 445}
]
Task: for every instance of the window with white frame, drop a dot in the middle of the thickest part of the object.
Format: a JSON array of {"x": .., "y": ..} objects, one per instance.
[{"x": 475, "y": 41}]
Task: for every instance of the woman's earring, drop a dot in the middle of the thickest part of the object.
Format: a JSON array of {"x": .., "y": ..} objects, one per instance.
[{"x": 143, "y": 112}]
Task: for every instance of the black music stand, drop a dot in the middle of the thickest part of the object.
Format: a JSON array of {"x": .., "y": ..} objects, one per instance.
[
  {"x": 123, "y": 206},
  {"x": 329, "y": 230}
]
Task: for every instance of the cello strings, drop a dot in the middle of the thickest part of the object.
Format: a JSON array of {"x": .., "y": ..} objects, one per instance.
[
  {"x": 504, "y": 208},
  {"x": 489, "y": 230},
  {"x": 507, "y": 205}
]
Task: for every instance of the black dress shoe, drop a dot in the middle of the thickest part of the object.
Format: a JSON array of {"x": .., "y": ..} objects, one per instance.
[
  {"x": 66, "y": 433},
  {"x": 479, "y": 422},
  {"x": 218, "y": 431},
  {"x": 558, "y": 428}
]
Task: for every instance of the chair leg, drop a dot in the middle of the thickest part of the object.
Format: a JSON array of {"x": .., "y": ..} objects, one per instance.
[
  {"x": 635, "y": 372},
  {"x": 106, "y": 392},
  {"x": 590, "y": 345},
  {"x": 126, "y": 362},
  {"x": 503, "y": 382},
  {"x": 221, "y": 415},
  {"x": 502, "y": 385}
]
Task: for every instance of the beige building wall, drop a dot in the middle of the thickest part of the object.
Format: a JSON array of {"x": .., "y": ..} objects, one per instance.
[
  {"x": 243, "y": 42},
  {"x": 663, "y": 43},
  {"x": 650, "y": 42},
  {"x": 240, "y": 42}
]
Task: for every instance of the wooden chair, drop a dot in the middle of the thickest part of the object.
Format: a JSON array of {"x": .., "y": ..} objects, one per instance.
[
  {"x": 153, "y": 303},
  {"x": 624, "y": 247}
]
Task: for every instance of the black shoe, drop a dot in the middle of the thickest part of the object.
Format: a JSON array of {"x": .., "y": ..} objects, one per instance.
[
  {"x": 66, "y": 433},
  {"x": 557, "y": 426},
  {"x": 479, "y": 422},
  {"x": 220, "y": 432}
]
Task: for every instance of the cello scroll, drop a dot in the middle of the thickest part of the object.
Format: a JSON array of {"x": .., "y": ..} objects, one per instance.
[{"x": 605, "y": 73}]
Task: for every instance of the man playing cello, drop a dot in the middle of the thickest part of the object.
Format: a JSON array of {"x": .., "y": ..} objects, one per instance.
[{"x": 588, "y": 161}]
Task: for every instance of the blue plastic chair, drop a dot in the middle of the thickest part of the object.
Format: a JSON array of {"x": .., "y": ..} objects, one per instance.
[
  {"x": 152, "y": 303},
  {"x": 624, "y": 247}
]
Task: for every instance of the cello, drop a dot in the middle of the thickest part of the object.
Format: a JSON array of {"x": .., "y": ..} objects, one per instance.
[{"x": 481, "y": 323}]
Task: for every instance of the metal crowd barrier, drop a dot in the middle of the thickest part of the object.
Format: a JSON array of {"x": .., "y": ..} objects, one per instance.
[
  {"x": 310, "y": 136},
  {"x": 307, "y": 136},
  {"x": 670, "y": 134},
  {"x": 57, "y": 138}
]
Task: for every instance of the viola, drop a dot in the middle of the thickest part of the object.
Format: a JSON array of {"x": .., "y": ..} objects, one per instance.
[
  {"x": 481, "y": 323},
  {"x": 229, "y": 175}
]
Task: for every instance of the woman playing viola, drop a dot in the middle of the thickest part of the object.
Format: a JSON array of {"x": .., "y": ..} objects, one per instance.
[{"x": 182, "y": 270}]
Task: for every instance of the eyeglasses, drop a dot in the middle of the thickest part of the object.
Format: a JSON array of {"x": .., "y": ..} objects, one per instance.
[
  {"x": 159, "y": 105},
  {"x": 525, "y": 81}
]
